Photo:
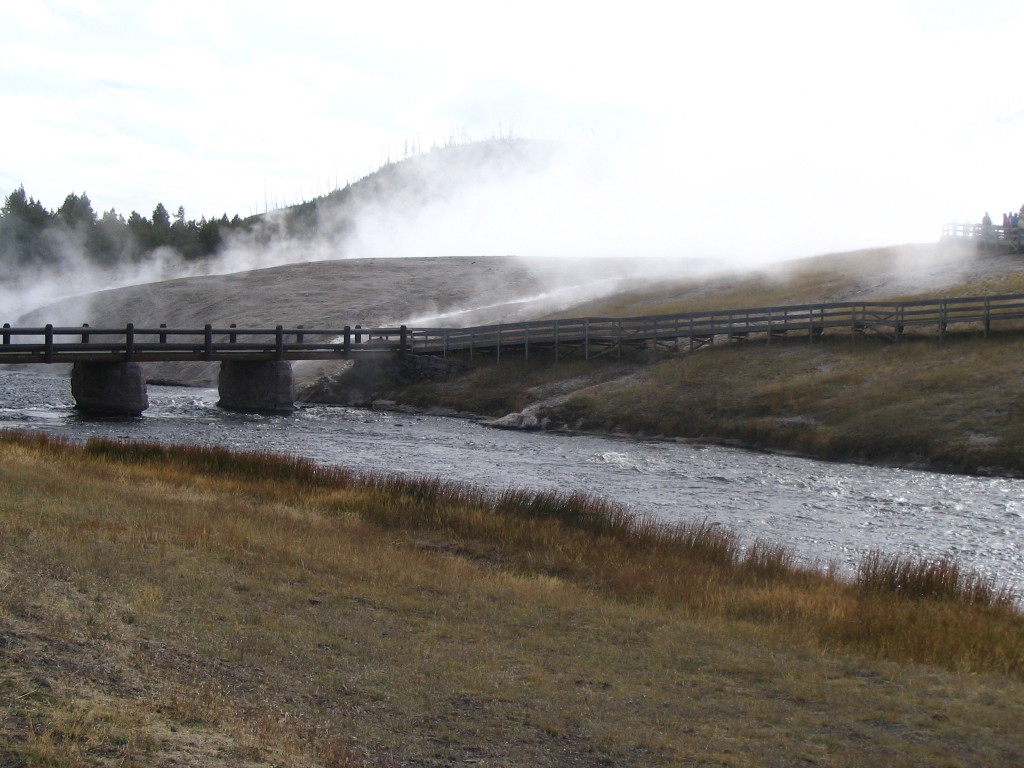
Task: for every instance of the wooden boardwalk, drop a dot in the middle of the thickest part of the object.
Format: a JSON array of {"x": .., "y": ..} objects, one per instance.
[
  {"x": 993, "y": 237},
  {"x": 600, "y": 335},
  {"x": 589, "y": 336}
]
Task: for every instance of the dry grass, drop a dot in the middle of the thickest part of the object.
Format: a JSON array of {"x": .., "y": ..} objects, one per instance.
[
  {"x": 166, "y": 606},
  {"x": 953, "y": 404}
]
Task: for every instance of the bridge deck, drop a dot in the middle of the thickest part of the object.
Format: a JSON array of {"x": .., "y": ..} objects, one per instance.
[{"x": 594, "y": 335}]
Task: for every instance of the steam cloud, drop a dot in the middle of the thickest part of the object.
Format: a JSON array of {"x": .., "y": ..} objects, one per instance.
[{"x": 663, "y": 203}]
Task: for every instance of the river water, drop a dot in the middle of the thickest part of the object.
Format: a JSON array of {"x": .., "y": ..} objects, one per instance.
[{"x": 826, "y": 512}]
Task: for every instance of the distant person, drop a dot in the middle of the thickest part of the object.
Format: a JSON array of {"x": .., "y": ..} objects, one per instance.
[{"x": 986, "y": 220}]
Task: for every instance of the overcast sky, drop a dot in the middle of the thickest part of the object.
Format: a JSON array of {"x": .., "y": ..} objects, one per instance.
[{"x": 867, "y": 123}]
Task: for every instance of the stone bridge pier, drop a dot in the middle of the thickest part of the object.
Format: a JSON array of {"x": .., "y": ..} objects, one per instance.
[
  {"x": 256, "y": 386},
  {"x": 119, "y": 389},
  {"x": 109, "y": 389}
]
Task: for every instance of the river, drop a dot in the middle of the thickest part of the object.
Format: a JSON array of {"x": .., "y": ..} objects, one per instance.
[{"x": 828, "y": 512}]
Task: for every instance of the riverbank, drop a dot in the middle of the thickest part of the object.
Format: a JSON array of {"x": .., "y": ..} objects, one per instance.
[
  {"x": 196, "y": 607},
  {"x": 947, "y": 404},
  {"x": 951, "y": 406}
]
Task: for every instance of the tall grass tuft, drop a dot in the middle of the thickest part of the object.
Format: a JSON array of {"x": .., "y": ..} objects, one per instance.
[
  {"x": 577, "y": 510},
  {"x": 247, "y": 465},
  {"x": 918, "y": 579},
  {"x": 705, "y": 542}
]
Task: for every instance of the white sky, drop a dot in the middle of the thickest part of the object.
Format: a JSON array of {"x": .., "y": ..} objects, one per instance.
[{"x": 854, "y": 124}]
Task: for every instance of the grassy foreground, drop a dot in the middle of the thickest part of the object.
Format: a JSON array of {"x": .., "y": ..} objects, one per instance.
[{"x": 184, "y": 606}]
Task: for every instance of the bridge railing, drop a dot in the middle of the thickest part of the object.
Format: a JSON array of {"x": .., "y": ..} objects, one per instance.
[
  {"x": 893, "y": 319},
  {"x": 73, "y": 343}
]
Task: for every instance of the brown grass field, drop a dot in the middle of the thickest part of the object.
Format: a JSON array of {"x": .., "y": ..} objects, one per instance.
[{"x": 193, "y": 607}]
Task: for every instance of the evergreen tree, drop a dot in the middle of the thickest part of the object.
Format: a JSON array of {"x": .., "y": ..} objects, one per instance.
[
  {"x": 23, "y": 225},
  {"x": 161, "y": 219},
  {"x": 76, "y": 213}
]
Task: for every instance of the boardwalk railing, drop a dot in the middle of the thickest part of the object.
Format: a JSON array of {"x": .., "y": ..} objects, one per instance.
[
  {"x": 592, "y": 335},
  {"x": 600, "y": 334},
  {"x": 992, "y": 235}
]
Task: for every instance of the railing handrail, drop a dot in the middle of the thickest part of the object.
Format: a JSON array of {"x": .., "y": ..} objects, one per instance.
[{"x": 295, "y": 341}]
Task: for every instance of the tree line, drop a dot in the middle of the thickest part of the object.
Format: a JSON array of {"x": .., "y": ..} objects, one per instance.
[{"x": 31, "y": 235}]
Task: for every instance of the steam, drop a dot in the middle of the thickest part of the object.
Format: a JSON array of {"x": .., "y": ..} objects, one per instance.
[{"x": 588, "y": 219}]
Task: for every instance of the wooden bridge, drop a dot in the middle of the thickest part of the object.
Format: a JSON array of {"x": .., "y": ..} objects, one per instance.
[{"x": 255, "y": 362}]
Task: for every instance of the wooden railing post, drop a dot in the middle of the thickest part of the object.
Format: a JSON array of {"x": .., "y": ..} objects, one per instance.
[
  {"x": 163, "y": 336},
  {"x": 129, "y": 342},
  {"x": 48, "y": 344},
  {"x": 85, "y": 334},
  {"x": 7, "y": 334},
  {"x": 359, "y": 336},
  {"x": 279, "y": 342},
  {"x": 299, "y": 336},
  {"x": 348, "y": 339},
  {"x": 233, "y": 337},
  {"x": 208, "y": 342},
  {"x": 403, "y": 346}
]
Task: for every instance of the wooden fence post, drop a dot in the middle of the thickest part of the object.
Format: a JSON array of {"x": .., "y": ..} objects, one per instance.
[{"x": 129, "y": 342}]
